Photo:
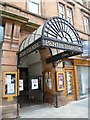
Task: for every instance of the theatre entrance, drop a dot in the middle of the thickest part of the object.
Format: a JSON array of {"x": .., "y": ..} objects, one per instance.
[
  {"x": 41, "y": 53},
  {"x": 31, "y": 80}
]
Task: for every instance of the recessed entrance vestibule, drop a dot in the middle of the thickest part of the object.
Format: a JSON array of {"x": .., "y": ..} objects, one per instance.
[
  {"x": 42, "y": 54},
  {"x": 30, "y": 73}
]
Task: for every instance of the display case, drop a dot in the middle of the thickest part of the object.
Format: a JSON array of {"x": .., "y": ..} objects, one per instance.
[
  {"x": 9, "y": 84},
  {"x": 60, "y": 81}
]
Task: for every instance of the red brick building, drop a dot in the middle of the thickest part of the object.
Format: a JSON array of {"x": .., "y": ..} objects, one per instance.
[{"x": 31, "y": 76}]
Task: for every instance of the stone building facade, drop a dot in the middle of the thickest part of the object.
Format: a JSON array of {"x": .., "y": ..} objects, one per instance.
[{"x": 19, "y": 19}]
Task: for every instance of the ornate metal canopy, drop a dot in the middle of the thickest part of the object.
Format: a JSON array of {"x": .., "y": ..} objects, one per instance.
[{"x": 58, "y": 35}]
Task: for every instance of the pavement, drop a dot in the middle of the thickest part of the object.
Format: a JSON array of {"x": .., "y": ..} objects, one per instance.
[{"x": 74, "y": 109}]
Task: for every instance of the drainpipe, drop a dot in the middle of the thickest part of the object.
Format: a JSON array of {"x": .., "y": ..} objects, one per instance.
[{"x": 18, "y": 106}]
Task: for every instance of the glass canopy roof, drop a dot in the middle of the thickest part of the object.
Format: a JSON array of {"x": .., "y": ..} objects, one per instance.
[{"x": 57, "y": 34}]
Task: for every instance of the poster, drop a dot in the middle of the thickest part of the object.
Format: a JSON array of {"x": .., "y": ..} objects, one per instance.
[
  {"x": 34, "y": 83},
  {"x": 10, "y": 88},
  {"x": 8, "y": 79},
  {"x": 69, "y": 84},
  {"x": 21, "y": 85},
  {"x": 60, "y": 81},
  {"x": 9, "y": 84}
]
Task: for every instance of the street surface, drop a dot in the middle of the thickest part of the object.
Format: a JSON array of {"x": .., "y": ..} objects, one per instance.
[{"x": 74, "y": 109}]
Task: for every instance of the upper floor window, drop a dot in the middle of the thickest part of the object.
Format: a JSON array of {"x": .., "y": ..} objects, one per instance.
[
  {"x": 61, "y": 11},
  {"x": 34, "y": 6},
  {"x": 82, "y": 1},
  {"x": 69, "y": 15},
  {"x": 86, "y": 24},
  {"x": 1, "y": 33}
]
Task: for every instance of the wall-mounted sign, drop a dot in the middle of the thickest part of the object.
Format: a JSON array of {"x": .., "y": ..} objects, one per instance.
[
  {"x": 86, "y": 48},
  {"x": 62, "y": 45},
  {"x": 67, "y": 63},
  {"x": 10, "y": 98},
  {"x": 9, "y": 84},
  {"x": 34, "y": 84},
  {"x": 60, "y": 81},
  {"x": 21, "y": 85}
]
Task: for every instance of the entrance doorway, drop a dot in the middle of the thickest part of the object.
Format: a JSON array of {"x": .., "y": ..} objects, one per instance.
[
  {"x": 32, "y": 92},
  {"x": 23, "y": 98},
  {"x": 30, "y": 71},
  {"x": 36, "y": 89},
  {"x": 69, "y": 84}
]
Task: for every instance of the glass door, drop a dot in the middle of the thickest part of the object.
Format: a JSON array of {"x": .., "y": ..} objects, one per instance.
[{"x": 69, "y": 84}]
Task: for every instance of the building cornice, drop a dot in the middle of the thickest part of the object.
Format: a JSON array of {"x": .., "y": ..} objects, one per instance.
[
  {"x": 8, "y": 15},
  {"x": 83, "y": 6},
  {"x": 87, "y": 12},
  {"x": 71, "y": 3},
  {"x": 33, "y": 25}
]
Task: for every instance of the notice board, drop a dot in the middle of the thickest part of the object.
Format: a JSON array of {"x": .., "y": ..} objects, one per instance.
[{"x": 9, "y": 84}]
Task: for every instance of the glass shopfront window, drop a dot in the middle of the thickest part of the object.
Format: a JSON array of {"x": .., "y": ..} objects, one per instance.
[{"x": 83, "y": 77}]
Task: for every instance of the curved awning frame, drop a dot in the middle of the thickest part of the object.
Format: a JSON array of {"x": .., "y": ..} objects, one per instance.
[{"x": 56, "y": 33}]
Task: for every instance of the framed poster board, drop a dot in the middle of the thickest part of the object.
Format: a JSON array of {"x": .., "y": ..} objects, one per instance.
[
  {"x": 9, "y": 84},
  {"x": 60, "y": 81}
]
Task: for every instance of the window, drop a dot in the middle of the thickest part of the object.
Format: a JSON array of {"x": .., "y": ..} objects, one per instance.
[
  {"x": 86, "y": 24},
  {"x": 82, "y": 1},
  {"x": 61, "y": 11},
  {"x": 1, "y": 33},
  {"x": 34, "y": 6},
  {"x": 83, "y": 77},
  {"x": 69, "y": 15}
]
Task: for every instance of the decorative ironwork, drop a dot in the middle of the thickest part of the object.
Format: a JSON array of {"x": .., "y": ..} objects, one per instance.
[
  {"x": 56, "y": 33},
  {"x": 61, "y": 29}
]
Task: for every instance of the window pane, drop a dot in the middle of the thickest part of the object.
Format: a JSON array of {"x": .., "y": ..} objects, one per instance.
[
  {"x": 83, "y": 75},
  {"x": 34, "y": 8},
  {"x": 67, "y": 12},
  {"x": 61, "y": 11},
  {"x": 82, "y": 1},
  {"x": 86, "y": 24},
  {"x": 69, "y": 15},
  {"x": 35, "y": 1}
]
